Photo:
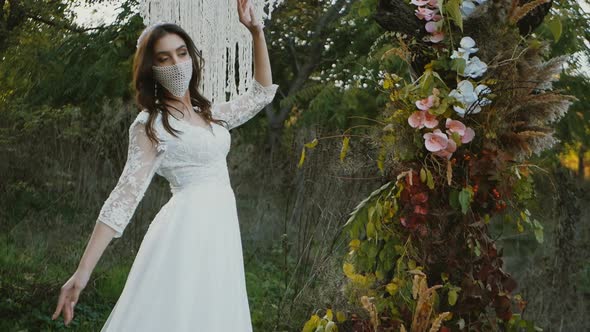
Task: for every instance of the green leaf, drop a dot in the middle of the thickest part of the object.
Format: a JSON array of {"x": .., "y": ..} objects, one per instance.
[
  {"x": 459, "y": 65},
  {"x": 429, "y": 179},
  {"x": 356, "y": 215},
  {"x": 477, "y": 248},
  {"x": 465, "y": 199},
  {"x": 454, "y": 199},
  {"x": 364, "y": 11},
  {"x": 381, "y": 159},
  {"x": 554, "y": 25},
  {"x": 538, "y": 229},
  {"x": 453, "y": 8},
  {"x": 379, "y": 209},
  {"x": 427, "y": 83},
  {"x": 453, "y": 295},
  {"x": 370, "y": 230}
]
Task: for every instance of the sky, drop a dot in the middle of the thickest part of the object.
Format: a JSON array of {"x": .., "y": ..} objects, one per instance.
[{"x": 96, "y": 14}]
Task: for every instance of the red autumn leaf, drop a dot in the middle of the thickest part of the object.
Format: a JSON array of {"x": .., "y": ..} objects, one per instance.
[
  {"x": 420, "y": 209},
  {"x": 419, "y": 198}
]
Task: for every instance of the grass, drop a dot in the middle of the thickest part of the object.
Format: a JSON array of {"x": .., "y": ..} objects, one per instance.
[{"x": 34, "y": 265}]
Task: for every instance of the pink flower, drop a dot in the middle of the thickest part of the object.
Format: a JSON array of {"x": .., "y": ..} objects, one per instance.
[
  {"x": 421, "y": 119},
  {"x": 426, "y": 103},
  {"x": 432, "y": 3},
  {"x": 434, "y": 29},
  {"x": 448, "y": 151},
  {"x": 416, "y": 120},
  {"x": 424, "y": 13},
  {"x": 454, "y": 126},
  {"x": 469, "y": 135},
  {"x": 420, "y": 2},
  {"x": 430, "y": 120},
  {"x": 436, "y": 141}
]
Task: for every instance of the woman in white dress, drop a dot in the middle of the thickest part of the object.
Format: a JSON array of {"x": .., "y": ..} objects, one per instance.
[{"x": 188, "y": 274}]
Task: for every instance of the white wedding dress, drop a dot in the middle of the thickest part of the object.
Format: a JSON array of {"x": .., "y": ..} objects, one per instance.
[{"x": 188, "y": 274}]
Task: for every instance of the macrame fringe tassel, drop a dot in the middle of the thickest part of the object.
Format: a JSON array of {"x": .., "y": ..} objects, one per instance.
[{"x": 217, "y": 32}]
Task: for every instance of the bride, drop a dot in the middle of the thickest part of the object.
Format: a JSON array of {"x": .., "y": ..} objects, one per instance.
[{"x": 188, "y": 274}]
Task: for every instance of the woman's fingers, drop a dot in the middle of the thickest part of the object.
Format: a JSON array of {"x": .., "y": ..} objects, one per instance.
[
  {"x": 240, "y": 4},
  {"x": 71, "y": 303},
  {"x": 70, "y": 307},
  {"x": 66, "y": 303},
  {"x": 60, "y": 303}
]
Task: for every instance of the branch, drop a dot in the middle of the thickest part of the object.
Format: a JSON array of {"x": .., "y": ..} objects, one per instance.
[
  {"x": 397, "y": 16},
  {"x": 62, "y": 25},
  {"x": 314, "y": 55}
]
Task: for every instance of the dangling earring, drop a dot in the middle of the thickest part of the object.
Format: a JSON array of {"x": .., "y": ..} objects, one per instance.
[{"x": 156, "y": 92}]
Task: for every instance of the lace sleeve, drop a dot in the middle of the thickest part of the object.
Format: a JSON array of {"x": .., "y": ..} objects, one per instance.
[
  {"x": 143, "y": 159},
  {"x": 245, "y": 106}
]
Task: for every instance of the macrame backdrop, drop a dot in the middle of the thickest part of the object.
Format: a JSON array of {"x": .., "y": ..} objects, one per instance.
[{"x": 215, "y": 28}]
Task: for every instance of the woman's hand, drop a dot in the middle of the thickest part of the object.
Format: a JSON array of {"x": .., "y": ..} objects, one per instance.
[
  {"x": 69, "y": 294},
  {"x": 247, "y": 17}
]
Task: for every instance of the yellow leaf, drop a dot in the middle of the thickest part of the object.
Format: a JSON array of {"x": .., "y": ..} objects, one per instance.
[
  {"x": 355, "y": 244},
  {"x": 331, "y": 327},
  {"x": 302, "y": 158},
  {"x": 387, "y": 83},
  {"x": 344, "y": 149},
  {"x": 340, "y": 316},
  {"x": 519, "y": 226},
  {"x": 329, "y": 314},
  {"x": 391, "y": 288},
  {"x": 312, "y": 144},
  {"x": 311, "y": 324},
  {"x": 422, "y": 175},
  {"x": 348, "y": 269}
]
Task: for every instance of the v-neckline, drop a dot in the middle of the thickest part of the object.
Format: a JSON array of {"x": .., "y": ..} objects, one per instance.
[{"x": 209, "y": 130}]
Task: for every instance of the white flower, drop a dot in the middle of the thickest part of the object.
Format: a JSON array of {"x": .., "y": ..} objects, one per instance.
[
  {"x": 467, "y": 8},
  {"x": 475, "y": 68},
  {"x": 465, "y": 93},
  {"x": 456, "y": 54},
  {"x": 470, "y": 97},
  {"x": 467, "y": 45}
]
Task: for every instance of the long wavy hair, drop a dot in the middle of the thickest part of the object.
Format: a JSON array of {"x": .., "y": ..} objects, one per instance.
[{"x": 145, "y": 83}]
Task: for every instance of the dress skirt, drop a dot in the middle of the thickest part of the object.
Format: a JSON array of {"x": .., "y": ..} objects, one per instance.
[{"x": 188, "y": 274}]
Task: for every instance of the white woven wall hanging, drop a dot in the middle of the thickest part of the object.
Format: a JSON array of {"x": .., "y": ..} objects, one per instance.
[{"x": 215, "y": 28}]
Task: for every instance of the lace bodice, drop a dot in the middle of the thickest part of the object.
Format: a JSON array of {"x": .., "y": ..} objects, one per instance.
[{"x": 197, "y": 155}]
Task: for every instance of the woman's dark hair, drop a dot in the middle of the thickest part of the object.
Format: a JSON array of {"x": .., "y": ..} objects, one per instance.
[{"x": 144, "y": 81}]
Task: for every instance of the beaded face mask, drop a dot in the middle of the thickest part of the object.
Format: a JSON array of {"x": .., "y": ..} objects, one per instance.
[{"x": 175, "y": 78}]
